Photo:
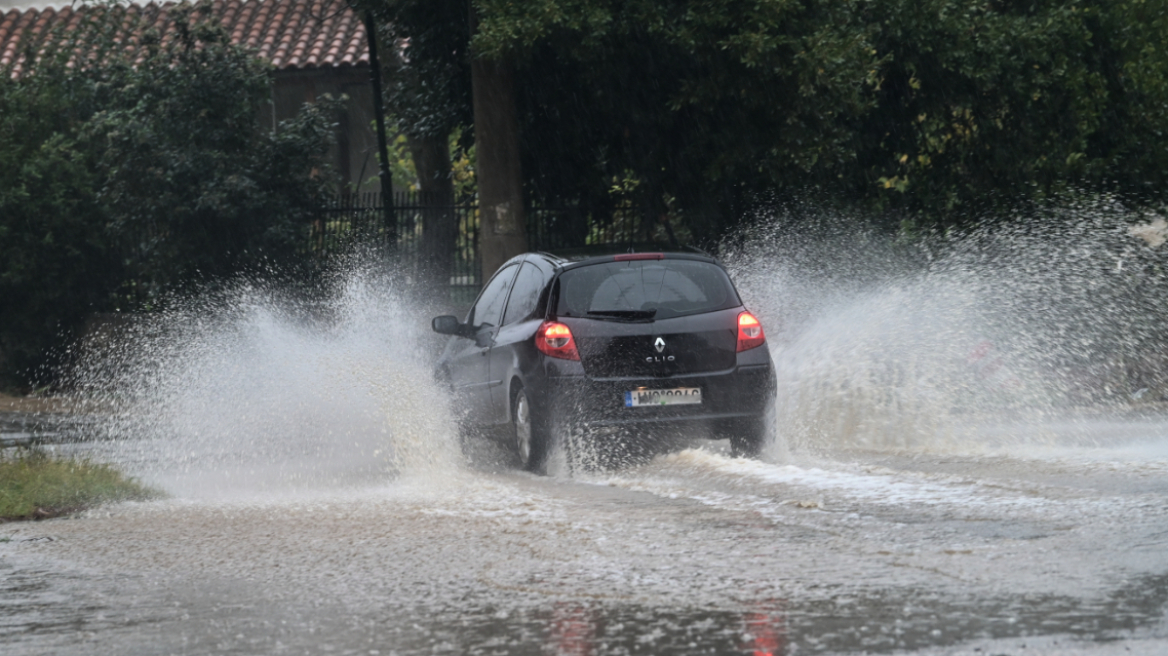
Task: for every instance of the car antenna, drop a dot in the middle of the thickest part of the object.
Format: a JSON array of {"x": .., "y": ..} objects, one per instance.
[{"x": 698, "y": 250}]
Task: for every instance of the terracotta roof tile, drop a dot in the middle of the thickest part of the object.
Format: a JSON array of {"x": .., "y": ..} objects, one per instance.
[{"x": 292, "y": 34}]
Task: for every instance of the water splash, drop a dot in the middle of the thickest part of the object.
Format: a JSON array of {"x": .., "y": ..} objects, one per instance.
[
  {"x": 255, "y": 388},
  {"x": 883, "y": 342},
  {"x": 947, "y": 343}
]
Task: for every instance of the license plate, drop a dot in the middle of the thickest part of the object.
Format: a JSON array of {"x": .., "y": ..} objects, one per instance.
[{"x": 659, "y": 397}]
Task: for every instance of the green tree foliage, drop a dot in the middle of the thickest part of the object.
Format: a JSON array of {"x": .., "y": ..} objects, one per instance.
[
  {"x": 145, "y": 168},
  {"x": 426, "y": 64},
  {"x": 984, "y": 103},
  {"x": 185, "y": 167},
  {"x": 941, "y": 108},
  {"x": 701, "y": 102},
  {"x": 55, "y": 264}
]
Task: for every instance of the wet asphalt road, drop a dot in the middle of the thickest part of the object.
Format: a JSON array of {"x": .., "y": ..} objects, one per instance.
[{"x": 1030, "y": 552}]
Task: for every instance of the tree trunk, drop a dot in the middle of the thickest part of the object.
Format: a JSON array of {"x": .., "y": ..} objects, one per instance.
[
  {"x": 502, "y": 223},
  {"x": 431, "y": 157}
]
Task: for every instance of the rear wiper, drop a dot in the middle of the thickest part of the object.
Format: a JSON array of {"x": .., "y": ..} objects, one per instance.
[{"x": 631, "y": 315}]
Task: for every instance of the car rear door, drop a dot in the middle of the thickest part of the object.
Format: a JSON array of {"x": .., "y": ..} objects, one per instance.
[{"x": 514, "y": 342}]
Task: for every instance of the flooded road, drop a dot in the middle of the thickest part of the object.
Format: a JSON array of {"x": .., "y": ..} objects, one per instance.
[
  {"x": 1057, "y": 552},
  {"x": 972, "y": 458}
]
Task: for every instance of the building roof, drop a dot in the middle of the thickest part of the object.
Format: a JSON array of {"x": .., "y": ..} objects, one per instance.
[{"x": 291, "y": 34}]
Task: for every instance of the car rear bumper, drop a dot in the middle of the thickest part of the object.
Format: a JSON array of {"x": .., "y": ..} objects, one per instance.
[{"x": 744, "y": 392}]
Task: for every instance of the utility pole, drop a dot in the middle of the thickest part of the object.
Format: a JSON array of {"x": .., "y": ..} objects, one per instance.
[{"x": 383, "y": 174}]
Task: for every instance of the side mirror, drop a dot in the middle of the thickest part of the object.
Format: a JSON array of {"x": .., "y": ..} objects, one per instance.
[{"x": 447, "y": 325}]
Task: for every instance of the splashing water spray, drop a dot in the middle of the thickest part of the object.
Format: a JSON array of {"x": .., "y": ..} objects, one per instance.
[
  {"x": 880, "y": 343},
  {"x": 253, "y": 389},
  {"x": 889, "y": 344}
]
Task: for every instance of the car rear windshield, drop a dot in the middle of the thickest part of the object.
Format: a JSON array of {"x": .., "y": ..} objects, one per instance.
[{"x": 644, "y": 289}]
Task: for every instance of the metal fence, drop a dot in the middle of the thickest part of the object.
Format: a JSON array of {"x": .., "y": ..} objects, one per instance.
[{"x": 363, "y": 219}]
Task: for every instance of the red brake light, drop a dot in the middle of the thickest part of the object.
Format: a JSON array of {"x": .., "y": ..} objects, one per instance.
[
  {"x": 750, "y": 332},
  {"x": 625, "y": 257},
  {"x": 555, "y": 339}
]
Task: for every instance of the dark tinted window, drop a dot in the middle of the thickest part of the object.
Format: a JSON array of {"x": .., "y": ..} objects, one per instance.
[
  {"x": 669, "y": 287},
  {"x": 524, "y": 294},
  {"x": 489, "y": 307}
]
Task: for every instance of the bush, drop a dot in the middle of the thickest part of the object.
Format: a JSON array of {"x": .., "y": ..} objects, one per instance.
[{"x": 145, "y": 172}]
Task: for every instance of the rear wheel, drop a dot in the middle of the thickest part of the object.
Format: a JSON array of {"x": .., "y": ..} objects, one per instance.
[
  {"x": 530, "y": 434},
  {"x": 749, "y": 438}
]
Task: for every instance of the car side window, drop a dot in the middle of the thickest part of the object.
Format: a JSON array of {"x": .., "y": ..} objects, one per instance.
[
  {"x": 524, "y": 294},
  {"x": 489, "y": 307}
]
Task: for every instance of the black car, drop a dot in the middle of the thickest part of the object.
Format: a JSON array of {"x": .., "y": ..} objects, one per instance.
[{"x": 639, "y": 341}]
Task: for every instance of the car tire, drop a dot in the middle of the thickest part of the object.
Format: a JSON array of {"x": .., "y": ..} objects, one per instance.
[
  {"x": 529, "y": 434},
  {"x": 751, "y": 437}
]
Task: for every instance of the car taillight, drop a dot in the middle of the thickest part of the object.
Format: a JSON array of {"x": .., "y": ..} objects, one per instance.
[
  {"x": 555, "y": 339},
  {"x": 750, "y": 332}
]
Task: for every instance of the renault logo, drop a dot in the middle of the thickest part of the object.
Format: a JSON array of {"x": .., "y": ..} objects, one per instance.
[{"x": 659, "y": 344}]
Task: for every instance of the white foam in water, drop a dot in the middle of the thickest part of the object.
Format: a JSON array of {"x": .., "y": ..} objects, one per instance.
[
  {"x": 733, "y": 479},
  {"x": 249, "y": 389}
]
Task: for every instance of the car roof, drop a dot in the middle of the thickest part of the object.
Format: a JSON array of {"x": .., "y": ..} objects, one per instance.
[{"x": 562, "y": 263}]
